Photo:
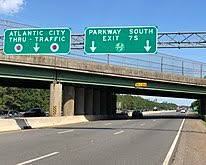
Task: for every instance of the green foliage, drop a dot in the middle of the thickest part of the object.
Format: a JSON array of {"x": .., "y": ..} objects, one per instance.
[
  {"x": 23, "y": 99},
  {"x": 196, "y": 105},
  {"x": 138, "y": 103}
]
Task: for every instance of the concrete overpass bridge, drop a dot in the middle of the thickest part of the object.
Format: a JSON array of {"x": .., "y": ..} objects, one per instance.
[
  {"x": 84, "y": 87},
  {"x": 82, "y": 84}
]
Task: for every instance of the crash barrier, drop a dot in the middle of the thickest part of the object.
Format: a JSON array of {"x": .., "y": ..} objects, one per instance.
[
  {"x": 39, "y": 122},
  {"x": 8, "y": 125}
]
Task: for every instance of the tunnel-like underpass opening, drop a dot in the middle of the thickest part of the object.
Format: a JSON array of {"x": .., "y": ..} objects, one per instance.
[
  {"x": 155, "y": 107},
  {"x": 87, "y": 99}
]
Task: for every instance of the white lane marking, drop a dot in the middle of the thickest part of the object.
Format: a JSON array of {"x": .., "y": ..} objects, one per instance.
[
  {"x": 116, "y": 133},
  {"x": 38, "y": 158},
  {"x": 154, "y": 120},
  {"x": 108, "y": 124},
  {"x": 172, "y": 148},
  {"x": 71, "y": 130},
  {"x": 128, "y": 120},
  {"x": 142, "y": 124}
]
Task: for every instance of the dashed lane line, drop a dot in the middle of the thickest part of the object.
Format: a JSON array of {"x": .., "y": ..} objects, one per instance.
[
  {"x": 119, "y": 132},
  {"x": 71, "y": 130},
  {"x": 107, "y": 123},
  {"x": 38, "y": 158}
]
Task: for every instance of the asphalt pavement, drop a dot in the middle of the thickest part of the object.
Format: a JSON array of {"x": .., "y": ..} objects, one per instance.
[{"x": 121, "y": 142}]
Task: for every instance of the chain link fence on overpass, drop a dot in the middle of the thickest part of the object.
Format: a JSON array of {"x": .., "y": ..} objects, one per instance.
[{"x": 158, "y": 62}]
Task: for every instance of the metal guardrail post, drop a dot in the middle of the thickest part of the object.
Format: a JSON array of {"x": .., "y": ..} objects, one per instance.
[
  {"x": 182, "y": 67},
  {"x": 201, "y": 71},
  {"x": 161, "y": 64}
]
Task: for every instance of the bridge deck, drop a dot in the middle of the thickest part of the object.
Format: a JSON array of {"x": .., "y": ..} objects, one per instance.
[{"x": 63, "y": 63}]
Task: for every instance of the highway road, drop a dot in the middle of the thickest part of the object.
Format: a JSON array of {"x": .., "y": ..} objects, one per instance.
[{"x": 121, "y": 142}]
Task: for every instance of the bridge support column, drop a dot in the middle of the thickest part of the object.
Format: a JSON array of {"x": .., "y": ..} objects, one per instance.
[
  {"x": 88, "y": 101},
  {"x": 202, "y": 106},
  {"x": 97, "y": 106},
  {"x": 55, "y": 99},
  {"x": 79, "y": 106},
  {"x": 111, "y": 103},
  {"x": 114, "y": 103},
  {"x": 69, "y": 100},
  {"x": 103, "y": 102}
]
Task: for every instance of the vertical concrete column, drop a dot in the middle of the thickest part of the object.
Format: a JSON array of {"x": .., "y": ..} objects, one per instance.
[
  {"x": 103, "y": 102},
  {"x": 68, "y": 100},
  {"x": 88, "y": 101},
  {"x": 114, "y": 103},
  {"x": 96, "y": 102},
  {"x": 55, "y": 99},
  {"x": 202, "y": 106},
  {"x": 79, "y": 97},
  {"x": 109, "y": 103}
]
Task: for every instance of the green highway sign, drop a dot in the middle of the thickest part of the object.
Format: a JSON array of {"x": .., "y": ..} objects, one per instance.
[
  {"x": 37, "y": 41},
  {"x": 115, "y": 40}
]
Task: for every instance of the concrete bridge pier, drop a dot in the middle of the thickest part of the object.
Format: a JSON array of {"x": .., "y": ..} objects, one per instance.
[
  {"x": 68, "y": 100},
  {"x": 55, "y": 99},
  {"x": 96, "y": 101},
  {"x": 80, "y": 101},
  {"x": 89, "y": 101},
  {"x": 103, "y": 102},
  {"x": 202, "y": 106},
  {"x": 114, "y": 104},
  {"x": 111, "y": 103}
]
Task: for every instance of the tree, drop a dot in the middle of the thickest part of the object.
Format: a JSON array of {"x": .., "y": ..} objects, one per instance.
[
  {"x": 135, "y": 102},
  {"x": 12, "y": 98},
  {"x": 196, "y": 105}
]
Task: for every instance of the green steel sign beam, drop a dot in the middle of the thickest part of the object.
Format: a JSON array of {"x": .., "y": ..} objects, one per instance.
[
  {"x": 116, "y": 40},
  {"x": 37, "y": 41}
]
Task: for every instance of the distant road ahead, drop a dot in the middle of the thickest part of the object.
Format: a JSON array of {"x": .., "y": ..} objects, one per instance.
[{"x": 121, "y": 142}]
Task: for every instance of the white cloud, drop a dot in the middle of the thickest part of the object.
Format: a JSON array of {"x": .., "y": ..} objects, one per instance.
[{"x": 11, "y": 6}]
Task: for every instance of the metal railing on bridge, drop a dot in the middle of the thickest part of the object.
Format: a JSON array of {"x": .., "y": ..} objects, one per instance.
[{"x": 159, "y": 62}]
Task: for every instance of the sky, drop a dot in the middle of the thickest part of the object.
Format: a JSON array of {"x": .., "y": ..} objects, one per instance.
[{"x": 167, "y": 15}]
